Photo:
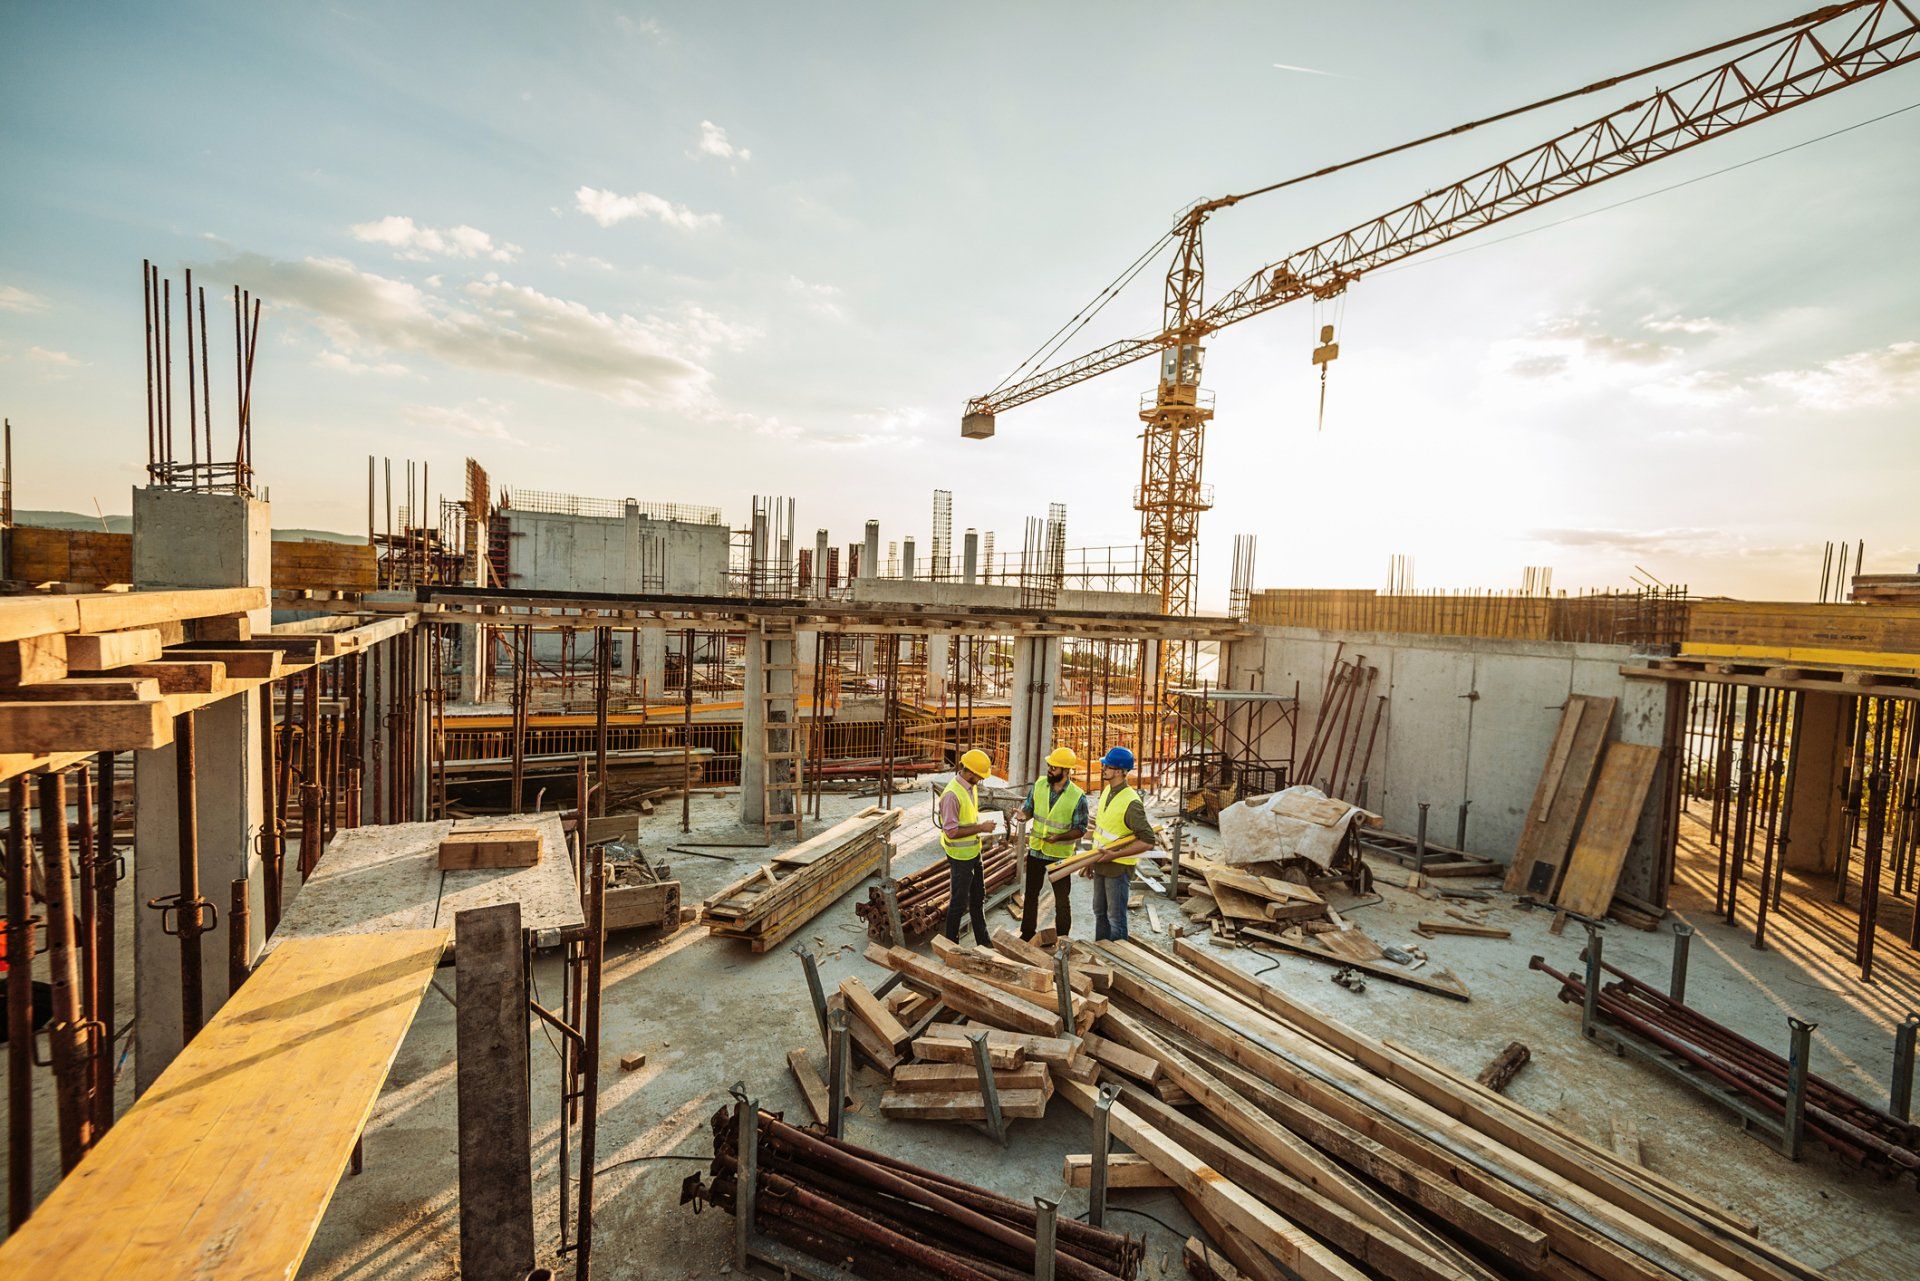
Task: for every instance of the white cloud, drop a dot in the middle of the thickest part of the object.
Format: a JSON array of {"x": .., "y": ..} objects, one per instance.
[
  {"x": 341, "y": 362},
  {"x": 1697, "y": 389},
  {"x": 53, "y": 359},
  {"x": 498, "y": 327},
  {"x": 1862, "y": 380},
  {"x": 714, "y": 142},
  {"x": 894, "y": 428},
  {"x": 647, "y": 27},
  {"x": 569, "y": 259},
  {"x": 1306, "y": 71},
  {"x": 484, "y": 419},
  {"x": 1576, "y": 349},
  {"x": 412, "y": 241},
  {"x": 13, "y": 298},
  {"x": 822, "y": 300},
  {"x": 609, "y": 208},
  {"x": 1684, "y": 325}
]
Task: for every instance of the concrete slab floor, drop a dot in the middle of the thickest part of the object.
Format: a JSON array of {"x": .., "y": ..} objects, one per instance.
[{"x": 708, "y": 1013}]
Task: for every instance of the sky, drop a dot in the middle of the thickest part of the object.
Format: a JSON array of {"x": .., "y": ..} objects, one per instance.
[{"x": 700, "y": 252}]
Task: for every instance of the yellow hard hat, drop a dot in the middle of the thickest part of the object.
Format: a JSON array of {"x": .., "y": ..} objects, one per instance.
[
  {"x": 1062, "y": 758},
  {"x": 977, "y": 762}
]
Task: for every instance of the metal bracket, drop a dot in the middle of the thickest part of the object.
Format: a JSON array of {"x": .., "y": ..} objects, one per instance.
[
  {"x": 814, "y": 989},
  {"x": 181, "y": 915},
  {"x": 839, "y": 1068},
  {"x": 1097, "y": 1175},
  {"x": 989, "y": 1091},
  {"x": 1799, "y": 1049}
]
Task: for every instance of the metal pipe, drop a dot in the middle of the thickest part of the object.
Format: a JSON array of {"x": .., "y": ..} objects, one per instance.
[
  {"x": 1800, "y": 1047},
  {"x": 989, "y": 1090},
  {"x": 239, "y": 941},
  {"x": 839, "y": 1056},
  {"x": 69, "y": 1031},
  {"x": 108, "y": 870},
  {"x": 1900, "y": 1095},
  {"x": 1043, "y": 1251},
  {"x": 1677, "y": 981},
  {"x": 20, "y": 923}
]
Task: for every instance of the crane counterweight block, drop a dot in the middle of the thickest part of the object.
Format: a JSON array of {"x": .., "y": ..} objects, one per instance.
[{"x": 976, "y": 425}]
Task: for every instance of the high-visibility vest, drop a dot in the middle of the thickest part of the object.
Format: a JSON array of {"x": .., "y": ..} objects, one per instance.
[
  {"x": 1110, "y": 821},
  {"x": 963, "y": 848},
  {"x": 1051, "y": 818}
]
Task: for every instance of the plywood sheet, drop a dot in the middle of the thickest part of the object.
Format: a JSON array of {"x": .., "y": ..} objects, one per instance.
[
  {"x": 1547, "y": 834},
  {"x": 1606, "y": 835},
  {"x": 224, "y": 1166}
]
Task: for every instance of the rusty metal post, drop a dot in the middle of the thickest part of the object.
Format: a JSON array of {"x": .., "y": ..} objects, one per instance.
[
  {"x": 272, "y": 841},
  {"x": 602, "y": 691},
  {"x": 239, "y": 926},
  {"x": 1045, "y": 1224},
  {"x": 1900, "y": 1096},
  {"x": 817, "y": 990},
  {"x": 109, "y": 870},
  {"x": 989, "y": 1089},
  {"x": 839, "y": 1055},
  {"x": 87, "y": 902},
  {"x": 1794, "y": 1123},
  {"x": 590, "y": 1051},
  {"x": 1097, "y": 1176},
  {"x": 186, "y": 904},
  {"x": 20, "y": 922},
  {"x": 1677, "y": 982},
  {"x": 311, "y": 833},
  {"x": 69, "y": 1031}
]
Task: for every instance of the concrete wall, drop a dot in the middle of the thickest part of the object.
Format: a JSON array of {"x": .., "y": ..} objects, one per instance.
[
  {"x": 610, "y": 554},
  {"x": 1466, "y": 719}
]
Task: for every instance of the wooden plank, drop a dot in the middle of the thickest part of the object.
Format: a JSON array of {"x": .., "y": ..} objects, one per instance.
[
  {"x": 33, "y": 660},
  {"x": 1606, "y": 834},
  {"x": 1124, "y": 1170},
  {"x": 1431, "y": 928},
  {"x": 996, "y": 969},
  {"x": 1264, "y": 1226},
  {"x": 548, "y": 896},
  {"x": 863, "y": 1005},
  {"x": 813, "y": 1090},
  {"x": 492, "y": 1093},
  {"x": 181, "y": 676},
  {"x": 82, "y": 726},
  {"x": 243, "y": 664},
  {"x": 1547, "y": 835},
  {"x": 104, "y": 651},
  {"x": 219, "y": 1169},
  {"x": 497, "y": 847},
  {"x": 974, "y": 998},
  {"x": 957, "y": 1049},
  {"x": 961, "y": 1105},
  {"x": 1051, "y": 1050},
  {"x": 83, "y": 689},
  {"x": 118, "y": 611},
  {"x": 1122, "y": 1059},
  {"x": 37, "y": 615},
  {"x": 935, "y": 1078}
]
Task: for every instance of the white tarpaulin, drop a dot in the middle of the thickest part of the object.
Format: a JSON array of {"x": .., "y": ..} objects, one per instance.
[{"x": 1301, "y": 821}]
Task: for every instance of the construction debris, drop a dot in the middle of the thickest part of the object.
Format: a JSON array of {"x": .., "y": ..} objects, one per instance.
[
  {"x": 1504, "y": 1066},
  {"x": 923, "y": 894},
  {"x": 878, "y": 1216}
]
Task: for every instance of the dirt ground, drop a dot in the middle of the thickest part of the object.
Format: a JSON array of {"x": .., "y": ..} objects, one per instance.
[{"x": 708, "y": 1013}]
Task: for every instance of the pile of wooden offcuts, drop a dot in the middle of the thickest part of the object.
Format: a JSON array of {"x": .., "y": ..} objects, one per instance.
[
  {"x": 770, "y": 903},
  {"x": 1314, "y": 1147}
]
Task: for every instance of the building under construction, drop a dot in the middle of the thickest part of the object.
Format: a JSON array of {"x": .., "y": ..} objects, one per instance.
[{"x": 540, "y": 884}]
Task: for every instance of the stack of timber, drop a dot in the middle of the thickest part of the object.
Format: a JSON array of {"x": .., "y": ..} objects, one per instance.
[
  {"x": 925, "y": 893},
  {"x": 1316, "y": 1151},
  {"x": 1007, "y": 992},
  {"x": 1260, "y": 894},
  {"x": 772, "y": 902},
  {"x": 877, "y": 1216}
]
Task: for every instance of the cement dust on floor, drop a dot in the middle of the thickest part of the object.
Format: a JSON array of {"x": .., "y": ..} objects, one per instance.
[{"x": 709, "y": 1013}]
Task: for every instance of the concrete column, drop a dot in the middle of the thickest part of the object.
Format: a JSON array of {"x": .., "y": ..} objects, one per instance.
[
  {"x": 472, "y": 649},
  {"x": 1036, "y": 674},
  {"x": 870, "y": 551},
  {"x": 939, "y": 659},
  {"x": 820, "y": 563},
  {"x": 185, "y": 539},
  {"x": 970, "y": 558},
  {"x": 648, "y": 661},
  {"x": 1820, "y": 744},
  {"x": 768, "y": 696},
  {"x": 906, "y": 558}
]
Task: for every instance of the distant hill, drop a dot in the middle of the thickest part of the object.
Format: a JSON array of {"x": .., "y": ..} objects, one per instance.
[{"x": 124, "y": 525}]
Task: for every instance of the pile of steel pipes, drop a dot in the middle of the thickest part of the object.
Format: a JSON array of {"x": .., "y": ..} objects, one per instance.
[
  {"x": 880, "y": 1217},
  {"x": 923, "y": 894},
  {"x": 1851, "y": 1128}
]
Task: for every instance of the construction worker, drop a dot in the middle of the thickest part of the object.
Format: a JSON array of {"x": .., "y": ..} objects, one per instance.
[
  {"x": 961, "y": 828},
  {"x": 1120, "y": 833},
  {"x": 1058, "y": 808}
]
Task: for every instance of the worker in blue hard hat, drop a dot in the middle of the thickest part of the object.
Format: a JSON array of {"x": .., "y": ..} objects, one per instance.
[
  {"x": 1121, "y": 833},
  {"x": 1058, "y": 810}
]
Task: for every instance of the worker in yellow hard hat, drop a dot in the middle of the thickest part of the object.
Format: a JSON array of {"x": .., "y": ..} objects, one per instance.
[
  {"x": 961, "y": 828},
  {"x": 1058, "y": 809}
]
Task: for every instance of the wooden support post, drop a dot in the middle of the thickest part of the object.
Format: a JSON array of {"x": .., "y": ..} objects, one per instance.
[{"x": 491, "y": 1085}]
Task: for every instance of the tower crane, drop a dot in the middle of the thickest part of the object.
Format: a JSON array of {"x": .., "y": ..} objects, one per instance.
[{"x": 1781, "y": 66}]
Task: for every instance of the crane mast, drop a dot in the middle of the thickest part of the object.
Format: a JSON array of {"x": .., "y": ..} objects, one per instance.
[{"x": 1807, "y": 58}]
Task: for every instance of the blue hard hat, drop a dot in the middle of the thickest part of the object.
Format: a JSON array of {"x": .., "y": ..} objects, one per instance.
[{"x": 1117, "y": 758}]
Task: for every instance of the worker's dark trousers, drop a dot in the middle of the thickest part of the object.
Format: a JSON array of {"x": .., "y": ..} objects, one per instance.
[
  {"x": 1037, "y": 869},
  {"x": 966, "y": 894}
]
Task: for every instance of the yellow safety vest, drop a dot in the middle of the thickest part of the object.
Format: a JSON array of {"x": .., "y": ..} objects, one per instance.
[
  {"x": 966, "y": 847},
  {"x": 1110, "y": 821},
  {"x": 1051, "y": 819}
]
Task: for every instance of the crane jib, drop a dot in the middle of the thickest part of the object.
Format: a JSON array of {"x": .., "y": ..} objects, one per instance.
[{"x": 1838, "y": 47}]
